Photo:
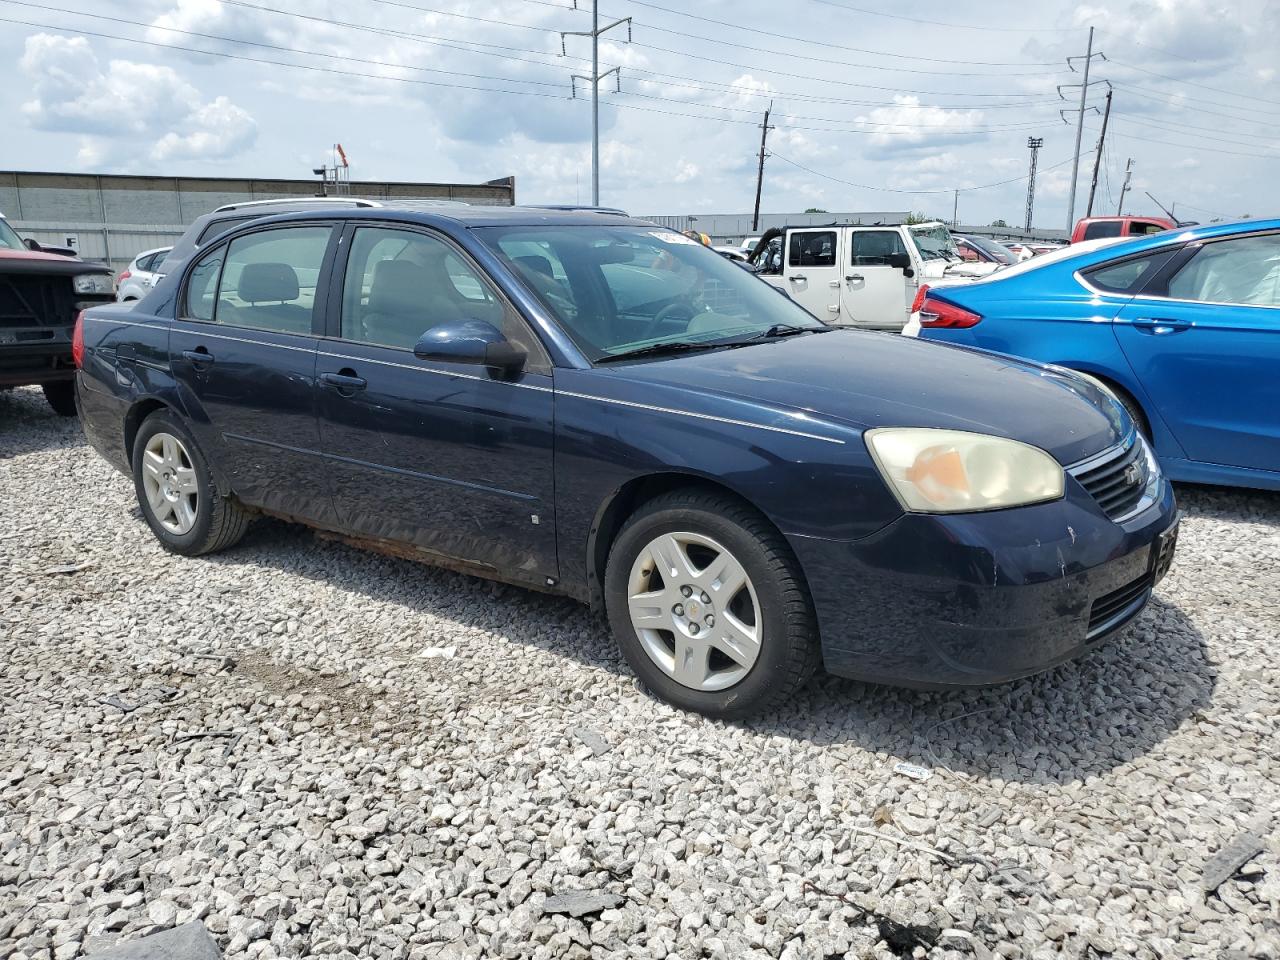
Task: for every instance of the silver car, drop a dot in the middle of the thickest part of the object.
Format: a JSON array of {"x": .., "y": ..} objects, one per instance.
[{"x": 137, "y": 279}]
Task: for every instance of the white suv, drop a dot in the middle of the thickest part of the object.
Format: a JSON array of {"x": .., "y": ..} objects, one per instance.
[{"x": 137, "y": 279}]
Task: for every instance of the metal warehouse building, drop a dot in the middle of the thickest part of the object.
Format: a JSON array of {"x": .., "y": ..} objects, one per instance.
[{"x": 113, "y": 218}]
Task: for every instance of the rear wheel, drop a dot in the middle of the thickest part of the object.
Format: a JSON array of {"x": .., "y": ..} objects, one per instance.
[
  {"x": 177, "y": 493},
  {"x": 709, "y": 607},
  {"x": 62, "y": 397}
]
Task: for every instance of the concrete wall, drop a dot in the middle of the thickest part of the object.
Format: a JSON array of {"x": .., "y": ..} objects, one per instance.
[{"x": 114, "y": 218}]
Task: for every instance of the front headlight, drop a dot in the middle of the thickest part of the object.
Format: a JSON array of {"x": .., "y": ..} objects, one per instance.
[
  {"x": 93, "y": 283},
  {"x": 952, "y": 471}
]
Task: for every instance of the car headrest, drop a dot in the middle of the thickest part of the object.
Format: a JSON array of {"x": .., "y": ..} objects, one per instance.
[
  {"x": 264, "y": 282},
  {"x": 399, "y": 286},
  {"x": 535, "y": 263}
]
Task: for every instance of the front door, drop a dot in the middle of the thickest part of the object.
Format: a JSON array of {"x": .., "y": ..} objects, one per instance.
[
  {"x": 813, "y": 272},
  {"x": 1207, "y": 348},
  {"x": 440, "y": 455},
  {"x": 243, "y": 351},
  {"x": 876, "y": 294}
]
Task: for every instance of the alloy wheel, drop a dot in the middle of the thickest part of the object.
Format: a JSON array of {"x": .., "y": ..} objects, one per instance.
[
  {"x": 695, "y": 611},
  {"x": 169, "y": 482}
]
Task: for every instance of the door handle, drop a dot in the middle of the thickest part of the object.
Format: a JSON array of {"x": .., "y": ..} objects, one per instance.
[
  {"x": 199, "y": 356},
  {"x": 1159, "y": 327},
  {"x": 346, "y": 382},
  {"x": 854, "y": 276},
  {"x": 797, "y": 276}
]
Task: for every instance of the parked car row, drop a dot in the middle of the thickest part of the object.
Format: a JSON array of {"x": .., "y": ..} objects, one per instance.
[{"x": 590, "y": 405}]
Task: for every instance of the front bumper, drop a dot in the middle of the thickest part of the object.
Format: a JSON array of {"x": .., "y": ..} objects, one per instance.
[
  {"x": 975, "y": 599},
  {"x": 35, "y": 359}
]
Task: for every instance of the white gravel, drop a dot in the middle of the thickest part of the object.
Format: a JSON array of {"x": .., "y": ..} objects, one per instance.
[{"x": 410, "y": 763}]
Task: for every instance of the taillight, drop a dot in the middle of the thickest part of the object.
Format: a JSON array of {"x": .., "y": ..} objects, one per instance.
[
  {"x": 919, "y": 300},
  {"x": 935, "y": 312},
  {"x": 77, "y": 341},
  {"x": 125, "y": 275}
]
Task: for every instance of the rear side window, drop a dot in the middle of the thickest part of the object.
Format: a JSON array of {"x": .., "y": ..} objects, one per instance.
[
  {"x": 269, "y": 279},
  {"x": 217, "y": 228},
  {"x": 202, "y": 286},
  {"x": 1245, "y": 270},
  {"x": 1127, "y": 276},
  {"x": 1103, "y": 228},
  {"x": 1141, "y": 229},
  {"x": 812, "y": 249},
  {"x": 872, "y": 248}
]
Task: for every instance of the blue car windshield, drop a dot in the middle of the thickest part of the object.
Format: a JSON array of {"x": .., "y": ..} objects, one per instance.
[{"x": 617, "y": 290}]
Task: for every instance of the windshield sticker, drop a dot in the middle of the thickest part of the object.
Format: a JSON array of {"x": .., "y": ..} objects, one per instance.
[{"x": 667, "y": 237}]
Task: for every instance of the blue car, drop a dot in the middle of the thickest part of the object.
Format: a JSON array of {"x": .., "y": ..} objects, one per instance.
[
  {"x": 590, "y": 405},
  {"x": 1183, "y": 327}
]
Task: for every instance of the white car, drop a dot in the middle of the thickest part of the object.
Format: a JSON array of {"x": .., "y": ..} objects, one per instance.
[
  {"x": 730, "y": 253},
  {"x": 137, "y": 279},
  {"x": 748, "y": 245}
]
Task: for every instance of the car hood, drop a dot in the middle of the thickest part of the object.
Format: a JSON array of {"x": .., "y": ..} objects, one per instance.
[
  {"x": 7, "y": 254},
  {"x": 33, "y": 261},
  {"x": 865, "y": 380}
]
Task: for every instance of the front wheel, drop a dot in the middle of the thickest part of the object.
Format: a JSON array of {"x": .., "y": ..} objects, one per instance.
[
  {"x": 61, "y": 395},
  {"x": 709, "y": 606},
  {"x": 177, "y": 493}
]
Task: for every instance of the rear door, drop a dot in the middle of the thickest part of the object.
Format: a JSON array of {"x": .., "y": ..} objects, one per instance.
[
  {"x": 440, "y": 455},
  {"x": 814, "y": 271},
  {"x": 1205, "y": 344},
  {"x": 876, "y": 294},
  {"x": 243, "y": 350}
]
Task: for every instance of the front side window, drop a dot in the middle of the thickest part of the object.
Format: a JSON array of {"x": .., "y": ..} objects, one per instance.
[
  {"x": 873, "y": 248},
  {"x": 618, "y": 289},
  {"x": 1128, "y": 276},
  {"x": 1142, "y": 229},
  {"x": 1103, "y": 228},
  {"x": 1244, "y": 271},
  {"x": 812, "y": 249},
  {"x": 269, "y": 279},
  {"x": 400, "y": 283}
]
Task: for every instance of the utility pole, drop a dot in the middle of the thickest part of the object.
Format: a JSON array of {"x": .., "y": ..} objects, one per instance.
[
  {"x": 1097, "y": 160},
  {"x": 596, "y": 76},
  {"x": 1075, "y": 159},
  {"x": 764, "y": 136},
  {"x": 1124, "y": 187},
  {"x": 955, "y": 209},
  {"x": 1034, "y": 143}
]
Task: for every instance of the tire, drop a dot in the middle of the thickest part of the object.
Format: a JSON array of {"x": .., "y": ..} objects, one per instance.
[
  {"x": 1134, "y": 411},
  {"x": 192, "y": 517},
  {"x": 61, "y": 396},
  {"x": 666, "y": 650}
]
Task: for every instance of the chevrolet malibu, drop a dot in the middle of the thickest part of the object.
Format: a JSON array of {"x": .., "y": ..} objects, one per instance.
[{"x": 591, "y": 405}]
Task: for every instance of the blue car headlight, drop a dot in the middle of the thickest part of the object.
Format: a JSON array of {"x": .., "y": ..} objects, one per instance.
[{"x": 953, "y": 471}]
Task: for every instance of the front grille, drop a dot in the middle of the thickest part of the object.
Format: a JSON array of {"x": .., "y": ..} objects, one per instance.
[
  {"x": 1118, "y": 481},
  {"x": 1111, "y": 608},
  {"x": 36, "y": 301}
]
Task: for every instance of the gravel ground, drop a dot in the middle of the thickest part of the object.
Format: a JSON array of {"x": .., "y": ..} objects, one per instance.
[{"x": 394, "y": 761}]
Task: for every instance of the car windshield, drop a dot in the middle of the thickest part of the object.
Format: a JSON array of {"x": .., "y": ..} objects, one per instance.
[
  {"x": 998, "y": 251},
  {"x": 9, "y": 237},
  {"x": 620, "y": 290},
  {"x": 935, "y": 242}
]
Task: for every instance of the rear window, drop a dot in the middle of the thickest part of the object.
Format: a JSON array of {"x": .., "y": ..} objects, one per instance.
[
  {"x": 217, "y": 228},
  {"x": 1103, "y": 228},
  {"x": 1128, "y": 276}
]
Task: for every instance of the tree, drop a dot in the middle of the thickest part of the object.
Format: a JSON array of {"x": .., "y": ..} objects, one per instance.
[
  {"x": 998, "y": 223},
  {"x": 815, "y": 210},
  {"x": 916, "y": 216}
]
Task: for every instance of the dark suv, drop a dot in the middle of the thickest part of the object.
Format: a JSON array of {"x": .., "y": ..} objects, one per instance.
[
  {"x": 40, "y": 295},
  {"x": 592, "y": 405}
]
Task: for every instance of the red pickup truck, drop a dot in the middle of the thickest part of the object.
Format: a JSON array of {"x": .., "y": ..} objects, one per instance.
[{"x": 1091, "y": 228}]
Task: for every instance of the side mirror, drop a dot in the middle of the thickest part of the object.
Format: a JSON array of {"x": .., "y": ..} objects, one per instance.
[
  {"x": 471, "y": 341},
  {"x": 32, "y": 244},
  {"x": 900, "y": 261}
]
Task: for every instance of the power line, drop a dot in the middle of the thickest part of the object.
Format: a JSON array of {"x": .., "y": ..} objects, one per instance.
[
  {"x": 1195, "y": 146},
  {"x": 1203, "y": 86},
  {"x": 863, "y": 186},
  {"x": 938, "y": 23}
]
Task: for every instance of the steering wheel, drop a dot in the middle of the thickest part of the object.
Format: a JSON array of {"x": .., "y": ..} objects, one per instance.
[{"x": 665, "y": 314}]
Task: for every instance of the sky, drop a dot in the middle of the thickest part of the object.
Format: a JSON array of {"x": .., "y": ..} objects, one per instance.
[{"x": 871, "y": 110}]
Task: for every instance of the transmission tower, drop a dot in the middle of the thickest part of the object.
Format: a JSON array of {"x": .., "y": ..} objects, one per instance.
[{"x": 1035, "y": 143}]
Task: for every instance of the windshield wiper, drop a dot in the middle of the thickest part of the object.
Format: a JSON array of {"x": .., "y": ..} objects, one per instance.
[
  {"x": 781, "y": 330},
  {"x": 660, "y": 349}
]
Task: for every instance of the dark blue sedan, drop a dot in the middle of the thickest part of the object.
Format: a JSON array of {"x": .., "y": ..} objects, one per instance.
[
  {"x": 1182, "y": 326},
  {"x": 591, "y": 405}
]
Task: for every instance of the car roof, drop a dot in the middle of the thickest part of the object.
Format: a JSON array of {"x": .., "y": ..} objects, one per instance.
[{"x": 465, "y": 216}]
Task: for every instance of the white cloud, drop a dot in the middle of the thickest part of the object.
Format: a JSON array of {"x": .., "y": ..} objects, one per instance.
[
  {"x": 909, "y": 124},
  {"x": 128, "y": 109}
]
